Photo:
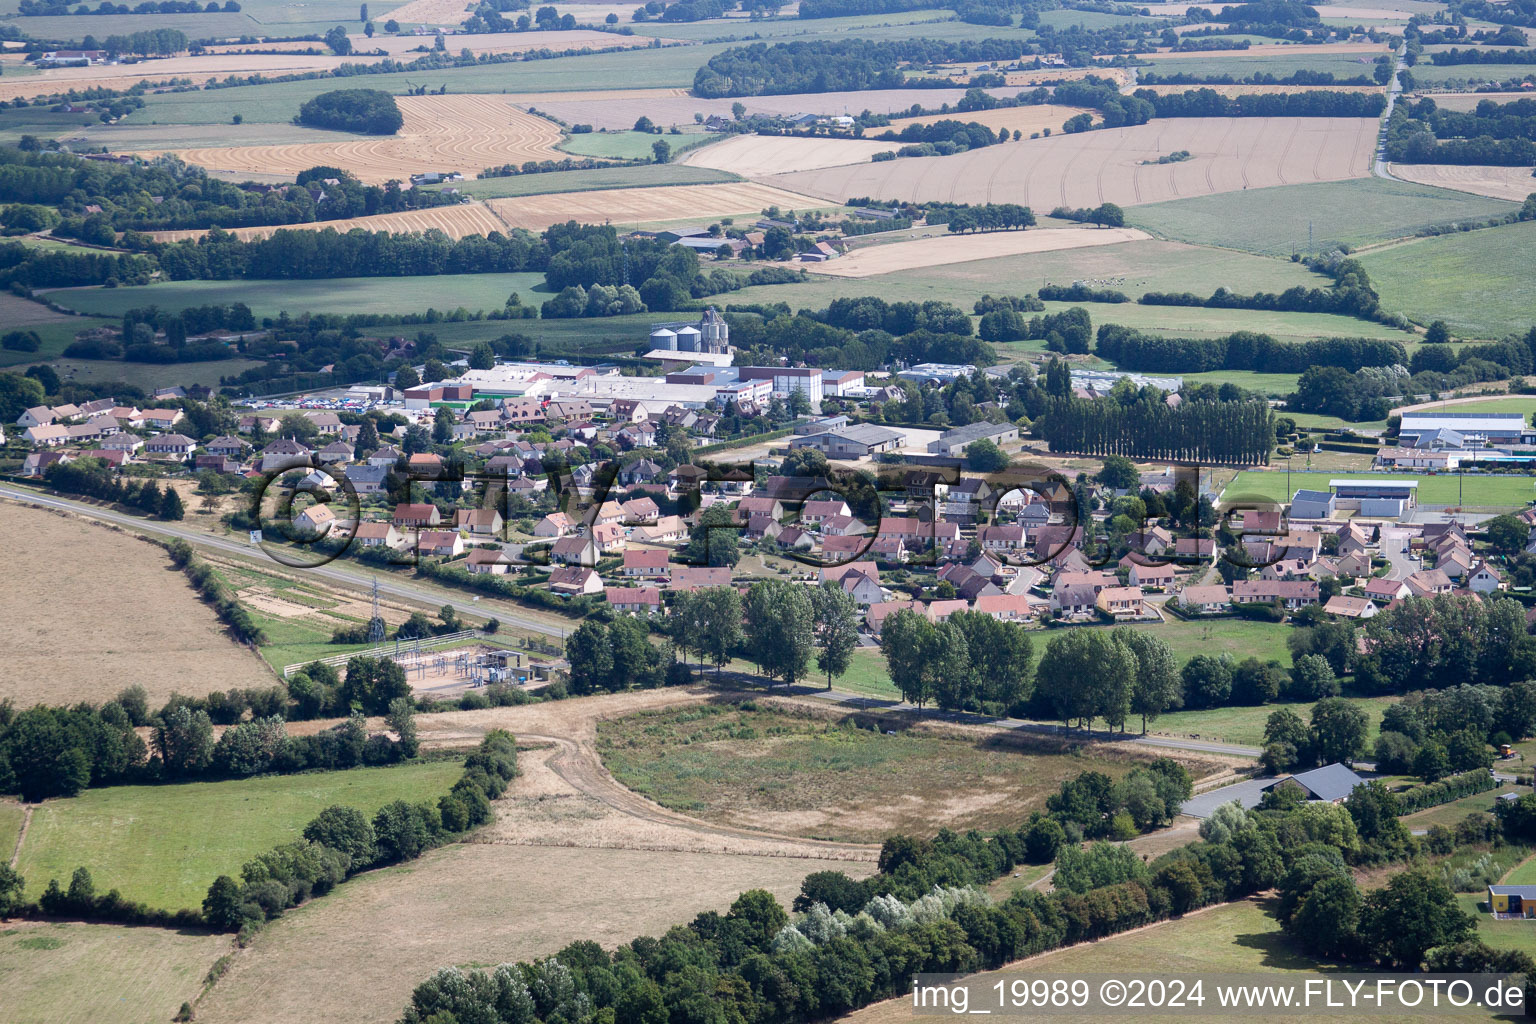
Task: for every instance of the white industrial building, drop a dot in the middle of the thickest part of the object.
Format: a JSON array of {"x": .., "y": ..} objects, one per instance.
[{"x": 1475, "y": 428}]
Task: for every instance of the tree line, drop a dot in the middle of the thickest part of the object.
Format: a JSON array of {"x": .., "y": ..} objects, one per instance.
[
  {"x": 1471, "y": 55},
  {"x": 764, "y": 69},
  {"x": 1210, "y": 103},
  {"x": 1131, "y": 349},
  {"x": 1238, "y": 432}
]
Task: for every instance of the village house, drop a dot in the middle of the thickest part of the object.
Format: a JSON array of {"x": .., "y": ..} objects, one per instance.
[
  {"x": 1386, "y": 591},
  {"x": 1073, "y": 601},
  {"x": 634, "y": 600},
  {"x": 1428, "y": 582},
  {"x": 1485, "y": 579},
  {"x": 416, "y": 516},
  {"x": 282, "y": 454},
  {"x": 574, "y": 581},
  {"x": 482, "y": 522},
  {"x": 609, "y": 537},
  {"x": 1291, "y": 594},
  {"x": 694, "y": 577},
  {"x": 1206, "y": 600},
  {"x": 440, "y": 543},
  {"x": 1007, "y": 607},
  {"x": 1121, "y": 602},
  {"x": 1001, "y": 538},
  {"x": 177, "y": 445},
  {"x": 1350, "y": 607},
  {"x": 556, "y": 525},
  {"x": 315, "y": 519},
  {"x": 379, "y": 535},
  {"x": 574, "y": 550},
  {"x": 488, "y": 562},
  {"x": 1158, "y": 576},
  {"x": 645, "y": 562}
]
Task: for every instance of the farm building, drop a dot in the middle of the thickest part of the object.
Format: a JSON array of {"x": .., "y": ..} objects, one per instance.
[
  {"x": 1382, "y": 499},
  {"x": 953, "y": 442},
  {"x": 1330, "y": 783},
  {"x": 855, "y": 442}
]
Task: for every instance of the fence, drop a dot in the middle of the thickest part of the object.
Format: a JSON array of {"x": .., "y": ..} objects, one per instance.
[{"x": 389, "y": 650}]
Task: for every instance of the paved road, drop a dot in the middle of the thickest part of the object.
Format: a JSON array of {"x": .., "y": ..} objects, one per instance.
[
  {"x": 1379, "y": 168},
  {"x": 336, "y": 572},
  {"x": 1394, "y": 548}
]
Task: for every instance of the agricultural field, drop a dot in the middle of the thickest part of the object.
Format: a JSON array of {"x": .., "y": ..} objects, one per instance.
[
  {"x": 148, "y": 625},
  {"x": 753, "y": 156},
  {"x": 278, "y": 102},
  {"x": 628, "y": 207},
  {"x": 618, "y": 113},
  {"x": 1089, "y": 168},
  {"x": 444, "y": 292},
  {"x": 1286, "y": 61},
  {"x": 1481, "y": 285},
  {"x": 1512, "y": 183},
  {"x": 1027, "y": 119},
  {"x": 630, "y": 145},
  {"x": 1458, "y": 76},
  {"x": 443, "y": 133},
  {"x": 164, "y": 845},
  {"x": 1469, "y": 100},
  {"x": 454, "y": 221},
  {"x": 1477, "y": 490},
  {"x": 873, "y": 260},
  {"x": 826, "y": 776},
  {"x": 1324, "y": 216},
  {"x": 74, "y": 973},
  {"x": 476, "y": 903},
  {"x": 598, "y": 178}
]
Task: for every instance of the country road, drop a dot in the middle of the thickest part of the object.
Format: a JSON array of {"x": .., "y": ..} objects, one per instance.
[{"x": 335, "y": 572}]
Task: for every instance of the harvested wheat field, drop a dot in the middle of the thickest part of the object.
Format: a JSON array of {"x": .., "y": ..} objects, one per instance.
[
  {"x": 1385, "y": 12},
  {"x": 1512, "y": 183},
  {"x": 199, "y": 69},
  {"x": 647, "y": 205},
  {"x": 355, "y": 956},
  {"x": 1470, "y": 100},
  {"x": 505, "y": 42},
  {"x": 945, "y": 249},
  {"x": 752, "y": 156},
  {"x": 1089, "y": 168},
  {"x": 430, "y": 12},
  {"x": 89, "y": 610},
  {"x": 453, "y": 221},
  {"x": 1028, "y": 120},
  {"x": 465, "y": 133},
  {"x": 668, "y": 107}
]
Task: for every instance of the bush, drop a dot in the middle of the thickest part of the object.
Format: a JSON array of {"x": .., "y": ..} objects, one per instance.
[{"x": 368, "y": 111}]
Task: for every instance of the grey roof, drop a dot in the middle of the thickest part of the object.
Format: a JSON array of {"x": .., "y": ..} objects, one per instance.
[
  {"x": 1525, "y": 892},
  {"x": 975, "y": 432},
  {"x": 1306, "y": 495},
  {"x": 864, "y": 433},
  {"x": 1330, "y": 782},
  {"x": 1444, "y": 435},
  {"x": 368, "y": 474}
]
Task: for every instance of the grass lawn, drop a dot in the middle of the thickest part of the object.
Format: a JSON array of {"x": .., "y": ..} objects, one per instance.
[
  {"x": 1482, "y": 284},
  {"x": 1278, "y": 221},
  {"x": 278, "y": 102},
  {"x": 1273, "y": 384},
  {"x": 11, "y": 817},
  {"x": 164, "y": 845},
  {"x": 1245, "y": 725},
  {"x": 148, "y": 376},
  {"x": 817, "y": 776},
  {"x": 443, "y": 292},
  {"x": 74, "y": 973},
  {"x": 638, "y": 176},
  {"x": 630, "y": 145},
  {"x": 1316, "y": 421},
  {"x": 1452, "y": 813},
  {"x": 1517, "y": 935},
  {"x": 1476, "y": 491}
]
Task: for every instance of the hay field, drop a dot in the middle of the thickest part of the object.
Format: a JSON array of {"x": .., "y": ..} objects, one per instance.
[
  {"x": 74, "y": 973},
  {"x": 1028, "y": 120},
  {"x": 668, "y": 107},
  {"x": 501, "y": 42},
  {"x": 1512, "y": 183},
  {"x": 752, "y": 156},
  {"x": 945, "y": 249},
  {"x": 429, "y": 12},
  {"x": 464, "y": 133},
  {"x": 453, "y": 221},
  {"x": 89, "y": 610},
  {"x": 1470, "y": 100},
  {"x": 1274, "y": 49},
  {"x": 1229, "y": 155},
  {"x": 647, "y": 205},
  {"x": 354, "y": 957}
]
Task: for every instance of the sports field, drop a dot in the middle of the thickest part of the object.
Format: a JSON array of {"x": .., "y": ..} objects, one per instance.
[
  {"x": 165, "y": 844},
  {"x": 62, "y": 972},
  {"x": 1312, "y": 218},
  {"x": 1482, "y": 284},
  {"x": 1089, "y": 168},
  {"x": 1476, "y": 491}
]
